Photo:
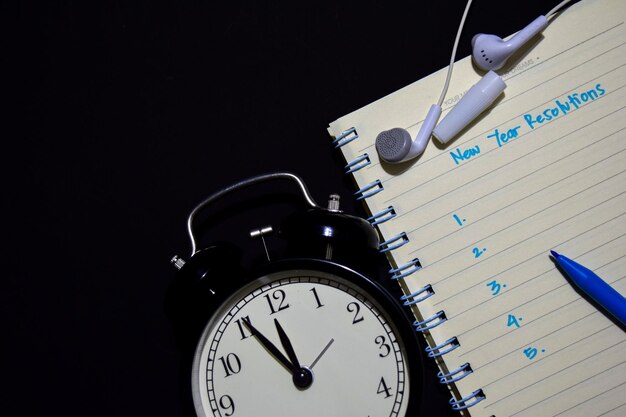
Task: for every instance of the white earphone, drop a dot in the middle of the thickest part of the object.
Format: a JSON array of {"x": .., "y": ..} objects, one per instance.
[
  {"x": 396, "y": 145},
  {"x": 489, "y": 53}
]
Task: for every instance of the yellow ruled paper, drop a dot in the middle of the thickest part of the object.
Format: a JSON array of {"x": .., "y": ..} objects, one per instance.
[{"x": 543, "y": 169}]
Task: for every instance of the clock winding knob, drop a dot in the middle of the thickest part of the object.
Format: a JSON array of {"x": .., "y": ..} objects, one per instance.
[
  {"x": 333, "y": 203},
  {"x": 178, "y": 262}
]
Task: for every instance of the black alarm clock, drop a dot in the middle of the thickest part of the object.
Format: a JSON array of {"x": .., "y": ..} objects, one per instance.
[{"x": 310, "y": 334}]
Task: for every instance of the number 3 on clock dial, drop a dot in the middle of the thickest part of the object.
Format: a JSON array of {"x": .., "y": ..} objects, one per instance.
[{"x": 352, "y": 360}]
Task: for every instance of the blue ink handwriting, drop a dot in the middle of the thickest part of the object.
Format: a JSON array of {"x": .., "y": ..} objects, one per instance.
[
  {"x": 531, "y": 352},
  {"x": 572, "y": 102},
  {"x": 458, "y": 219},
  {"x": 464, "y": 155},
  {"x": 503, "y": 138},
  {"x": 477, "y": 252},
  {"x": 513, "y": 321},
  {"x": 495, "y": 287},
  {"x": 533, "y": 119}
]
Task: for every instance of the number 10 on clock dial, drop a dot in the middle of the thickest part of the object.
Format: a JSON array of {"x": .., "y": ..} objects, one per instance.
[{"x": 301, "y": 343}]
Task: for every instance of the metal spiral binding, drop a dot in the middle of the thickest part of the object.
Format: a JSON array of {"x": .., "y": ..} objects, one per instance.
[
  {"x": 409, "y": 269},
  {"x": 389, "y": 245},
  {"x": 369, "y": 190},
  {"x": 439, "y": 350},
  {"x": 360, "y": 162},
  {"x": 463, "y": 403},
  {"x": 405, "y": 270},
  {"x": 381, "y": 217},
  {"x": 459, "y": 373},
  {"x": 345, "y": 137},
  {"x": 433, "y": 321},
  {"x": 412, "y": 299}
]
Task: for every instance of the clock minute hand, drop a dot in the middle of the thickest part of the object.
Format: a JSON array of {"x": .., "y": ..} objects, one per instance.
[
  {"x": 284, "y": 339},
  {"x": 269, "y": 346},
  {"x": 302, "y": 377}
]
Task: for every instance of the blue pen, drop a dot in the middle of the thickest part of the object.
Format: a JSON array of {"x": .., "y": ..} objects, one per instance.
[{"x": 601, "y": 292}]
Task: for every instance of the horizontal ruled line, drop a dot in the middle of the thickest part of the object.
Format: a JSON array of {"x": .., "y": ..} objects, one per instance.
[
  {"x": 575, "y": 46},
  {"x": 588, "y": 399},
  {"x": 537, "y": 254},
  {"x": 505, "y": 165},
  {"x": 570, "y": 346},
  {"x": 592, "y": 355},
  {"x": 489, "y": 319},
  {"x": 501, "y": 208},
  {"x": 457, "y": 170},
  {"x": 530, "y": 237},
  {"x": 511, "y": 397},
  {"x": 567, "y": 388},
  {"x": 613, "y": 409},
  {"x": 543, "y": 253},
  {"x": 505, "y": 186},
  {"x": 538, "y": 66},
  {"x": 530, "y": 280}
]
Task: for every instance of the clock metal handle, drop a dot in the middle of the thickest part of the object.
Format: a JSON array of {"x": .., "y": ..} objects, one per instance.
[{"x": 243, "y": 184}]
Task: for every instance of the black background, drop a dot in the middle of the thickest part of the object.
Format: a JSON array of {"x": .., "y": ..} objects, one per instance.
[{"x": 120, "y": 116}]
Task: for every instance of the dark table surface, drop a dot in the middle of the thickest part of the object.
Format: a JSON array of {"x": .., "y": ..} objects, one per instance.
[{"x": 122, "y": 115}]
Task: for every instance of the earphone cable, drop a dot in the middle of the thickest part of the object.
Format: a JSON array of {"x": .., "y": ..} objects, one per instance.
[
  {"x": 557, "y": 8},
  {"x": 456, "y": 44}
]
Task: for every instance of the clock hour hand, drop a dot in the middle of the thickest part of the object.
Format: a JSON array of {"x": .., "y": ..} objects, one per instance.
[
  {"x": 287, "y": 345},
  {"x": 269, "y": 346},
  {"x": 302, "y": 377}
]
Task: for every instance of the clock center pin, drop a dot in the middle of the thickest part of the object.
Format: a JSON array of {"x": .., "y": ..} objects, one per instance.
[{"x": 303, "y": 378}]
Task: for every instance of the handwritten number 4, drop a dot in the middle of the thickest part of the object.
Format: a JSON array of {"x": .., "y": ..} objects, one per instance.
[{"x": 513, "y": 321}]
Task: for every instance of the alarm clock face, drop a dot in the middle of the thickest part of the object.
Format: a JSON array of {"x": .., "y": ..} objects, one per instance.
[{"x": 301, "y": 342}]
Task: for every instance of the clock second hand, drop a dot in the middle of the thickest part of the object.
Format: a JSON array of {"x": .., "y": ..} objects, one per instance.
[
  {"x": 284, "y": 339},
  {"x": 322, "y": 353}
]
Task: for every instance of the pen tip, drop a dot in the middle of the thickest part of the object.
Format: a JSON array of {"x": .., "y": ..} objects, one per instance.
[{"x": 554, "y": 254}]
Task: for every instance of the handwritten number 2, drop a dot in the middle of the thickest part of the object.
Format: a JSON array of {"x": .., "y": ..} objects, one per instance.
[{"x": 477, "y": 252}]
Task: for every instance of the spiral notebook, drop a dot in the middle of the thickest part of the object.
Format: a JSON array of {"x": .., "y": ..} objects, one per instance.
[{"x": 468, "y": 227}]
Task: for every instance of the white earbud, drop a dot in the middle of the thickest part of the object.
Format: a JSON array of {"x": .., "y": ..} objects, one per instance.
[
  {"x": 396, "y": 145},
  {"x": 490, "y": 52}
]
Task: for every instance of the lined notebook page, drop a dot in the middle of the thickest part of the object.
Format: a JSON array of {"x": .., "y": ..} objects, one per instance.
[{"x": 544, "y": 169}]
